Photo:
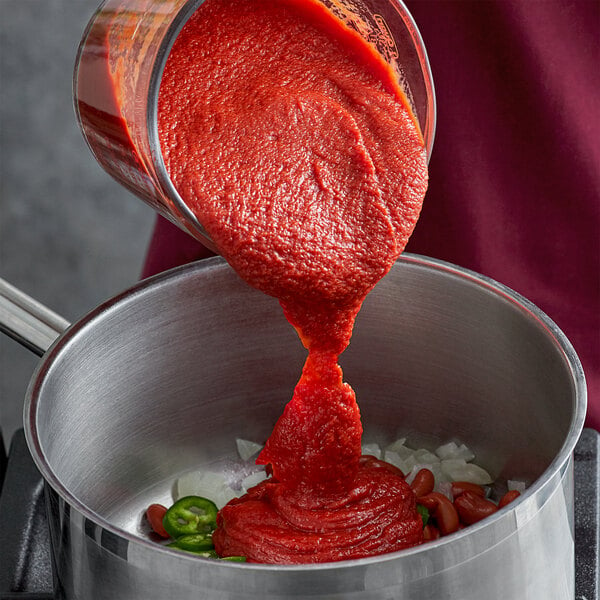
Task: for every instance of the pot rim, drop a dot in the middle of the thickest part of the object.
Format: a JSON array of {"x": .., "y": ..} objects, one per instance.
[{"x": 543, "y": 486}]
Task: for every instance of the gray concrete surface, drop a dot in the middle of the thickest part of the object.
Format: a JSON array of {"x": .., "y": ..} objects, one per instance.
[{"x": 69, "y": 235}]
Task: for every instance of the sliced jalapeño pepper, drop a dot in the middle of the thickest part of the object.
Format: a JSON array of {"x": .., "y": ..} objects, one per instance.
[
  {"x": 202, "y": 553},
  {"x": 194, "y": 542},
  {"x": 234, "y": 558},
  {"x": 189, "y": 515}
]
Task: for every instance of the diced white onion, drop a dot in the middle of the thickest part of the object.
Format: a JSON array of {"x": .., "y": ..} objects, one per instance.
[
  {"x": 372, "y": 450},
  {"x": 206, "y": 484},
  {"x": 408, "y": 464},
  {"x": 409, "y": 460},
  {"x": 452, "y": 450},
  {"x": 246, "y": 449},
  {"x": 253, "y": 480},
  {"x": 445, "y": 488},
  {"x": 519, "y": 486},
  {"x": 400, "y": 449},
  {"x": 457, "y": 469},
  {"x": 393, "y": 458},
  {"x": 223, "y": 495},
  {"x": 426, "y": 457}
]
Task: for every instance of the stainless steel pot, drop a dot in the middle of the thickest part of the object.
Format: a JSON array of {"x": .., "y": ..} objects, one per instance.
[{"x": 163, "y": 378}]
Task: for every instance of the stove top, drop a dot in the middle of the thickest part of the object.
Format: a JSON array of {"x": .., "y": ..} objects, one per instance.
[{"x": 26, "y": 571}]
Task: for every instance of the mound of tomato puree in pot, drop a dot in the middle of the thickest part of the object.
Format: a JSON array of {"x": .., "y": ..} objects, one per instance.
[{"x": 289, "y": 138}]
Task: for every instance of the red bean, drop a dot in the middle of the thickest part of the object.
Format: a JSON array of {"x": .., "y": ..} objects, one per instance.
[
  {"x": 460, "y": 487},
  {"x": 472, "y": 508},
  {"x": 442, "y": 510},
  {"x": 508, "y": 497},
  {"x": 423, "y": 483},
  {"x": 155, "y": 514},
  {"x": 430, "y": 532}
]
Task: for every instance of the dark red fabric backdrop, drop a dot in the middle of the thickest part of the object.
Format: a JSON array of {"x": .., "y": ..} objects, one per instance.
[{"x": 514, "y": 188}]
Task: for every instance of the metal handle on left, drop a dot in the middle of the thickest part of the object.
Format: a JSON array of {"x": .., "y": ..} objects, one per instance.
[{"x": 27, "y": 321}]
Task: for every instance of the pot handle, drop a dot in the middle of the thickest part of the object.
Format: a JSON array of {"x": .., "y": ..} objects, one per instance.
[{"x": 27, "y": 321}]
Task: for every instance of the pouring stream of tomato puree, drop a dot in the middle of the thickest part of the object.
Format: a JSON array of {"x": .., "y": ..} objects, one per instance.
[{"x": 290, "y": 139}]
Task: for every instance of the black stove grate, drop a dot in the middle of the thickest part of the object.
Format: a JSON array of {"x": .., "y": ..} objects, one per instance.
[
  {"x": 25, "y": 560},
  {"x": 26, "y": 571}
]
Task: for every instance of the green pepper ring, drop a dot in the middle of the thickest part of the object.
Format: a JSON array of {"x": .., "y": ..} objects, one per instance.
[
  {"x": 189, "y": 515},
  {"x": 194, "y": 542},
  {"x": 202, "y": 553}
]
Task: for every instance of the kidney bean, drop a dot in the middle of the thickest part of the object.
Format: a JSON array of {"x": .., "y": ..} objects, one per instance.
[
  {"x": 155, "y": 514},
  {"x": 430, "y": 532},
  {"x": 472, "y": 508},
  {"x": 442, "y": 510},
  {"x": 423, "y": 483},
  {"x": 460, "y": 487},
  {"x": 508, "y": 497}
]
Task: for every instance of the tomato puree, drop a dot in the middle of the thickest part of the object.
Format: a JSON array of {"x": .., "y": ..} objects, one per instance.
[{"x": 291, "y": 141}]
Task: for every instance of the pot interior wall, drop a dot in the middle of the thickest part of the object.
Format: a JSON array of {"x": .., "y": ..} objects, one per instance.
[{"x": 164, "y": 379}]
